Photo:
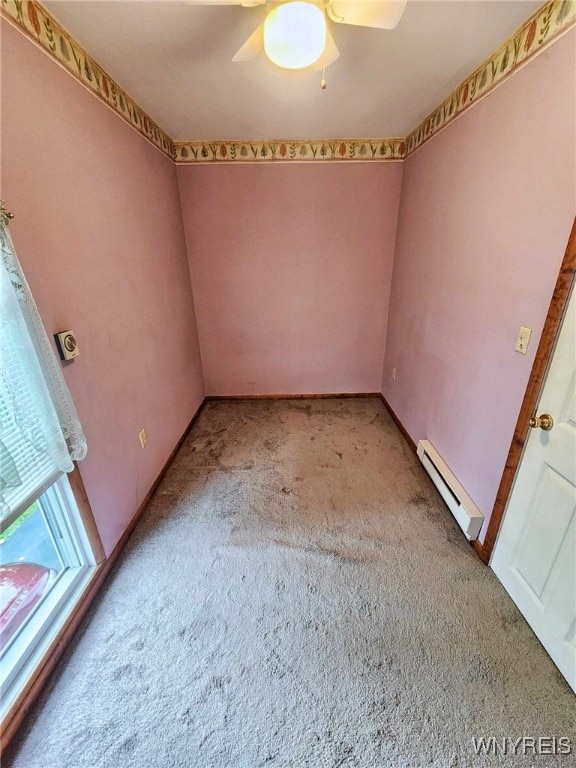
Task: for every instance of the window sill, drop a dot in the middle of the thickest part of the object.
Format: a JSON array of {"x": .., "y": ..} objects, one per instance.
[{"x": 19, "y": 695}]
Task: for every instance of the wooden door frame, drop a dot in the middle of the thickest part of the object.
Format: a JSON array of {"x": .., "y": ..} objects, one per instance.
[{"x": 552, "y": 326}]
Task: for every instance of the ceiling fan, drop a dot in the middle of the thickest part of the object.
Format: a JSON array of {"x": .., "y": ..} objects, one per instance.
[{"x": 295, "y": 33}]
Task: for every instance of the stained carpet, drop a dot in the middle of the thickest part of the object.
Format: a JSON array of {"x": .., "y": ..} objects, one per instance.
[{"x": 297, "y": 595}]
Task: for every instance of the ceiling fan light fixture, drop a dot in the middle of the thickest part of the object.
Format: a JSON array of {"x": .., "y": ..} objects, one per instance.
[{"x": 295, "y": 34}]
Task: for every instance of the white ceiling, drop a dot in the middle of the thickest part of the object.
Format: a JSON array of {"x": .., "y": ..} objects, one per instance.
[{"x": 174, "y": 60}]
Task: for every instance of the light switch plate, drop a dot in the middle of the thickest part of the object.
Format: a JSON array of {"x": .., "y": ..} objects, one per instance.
[{"x": 523, "y": 339}]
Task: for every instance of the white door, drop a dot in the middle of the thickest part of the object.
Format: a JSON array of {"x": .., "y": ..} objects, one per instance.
[{"x": 535, "y": 554}]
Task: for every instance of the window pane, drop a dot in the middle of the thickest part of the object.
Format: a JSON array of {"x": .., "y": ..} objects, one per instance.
[
  {"x": 30, "y": 563},
  {"x": 25, "y": 464}
]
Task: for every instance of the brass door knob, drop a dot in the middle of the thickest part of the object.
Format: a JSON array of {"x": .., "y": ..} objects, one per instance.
[{"x": 545, "y": 422}]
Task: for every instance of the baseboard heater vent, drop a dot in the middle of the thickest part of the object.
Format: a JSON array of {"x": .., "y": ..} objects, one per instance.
[{"x": 467, "y": 514}]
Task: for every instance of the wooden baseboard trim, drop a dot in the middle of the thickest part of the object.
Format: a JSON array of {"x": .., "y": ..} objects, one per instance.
[
  {"x": 53, "y": 655},
  {"x": 146, "y": 500},
  {"x": 398, "y": 423},
  {"x": 326, "y": 396}
]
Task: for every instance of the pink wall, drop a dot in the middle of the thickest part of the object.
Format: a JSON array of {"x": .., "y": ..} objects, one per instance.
[
  {"x": 291, "y": 269},
  {"x": 98, "y": 230},
  {"x": 486, "y": 210}
]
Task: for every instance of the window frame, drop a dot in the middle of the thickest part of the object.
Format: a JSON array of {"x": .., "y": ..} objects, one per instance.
[{"x": 24, "y": 660}]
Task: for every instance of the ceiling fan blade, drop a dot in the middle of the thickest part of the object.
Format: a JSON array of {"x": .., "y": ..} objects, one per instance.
[
  {"x": 252, "y": 46},
  {"x": 331, "y": 53},
  {"x": 245, "y": 3},
  {"x": 377, "y": 14}
]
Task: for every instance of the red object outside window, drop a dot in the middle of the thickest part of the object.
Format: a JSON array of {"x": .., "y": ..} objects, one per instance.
[{"x": 21, "y": 587}]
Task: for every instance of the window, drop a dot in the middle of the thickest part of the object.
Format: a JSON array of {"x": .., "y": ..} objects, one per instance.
[
  {"x": 46, "y": 560},
  {"x": 26, "y": 466},
  {"x": 46, "y": 564}
]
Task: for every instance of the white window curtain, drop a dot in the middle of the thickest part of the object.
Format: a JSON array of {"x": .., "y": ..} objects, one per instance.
[{"x": 40, "y": 433}]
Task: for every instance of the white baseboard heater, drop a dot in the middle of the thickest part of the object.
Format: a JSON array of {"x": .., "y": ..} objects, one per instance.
[{"x": 467, "y": 514}]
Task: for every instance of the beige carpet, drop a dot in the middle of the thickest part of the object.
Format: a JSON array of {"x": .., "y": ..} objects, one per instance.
[{"x": 297, "y": 595}]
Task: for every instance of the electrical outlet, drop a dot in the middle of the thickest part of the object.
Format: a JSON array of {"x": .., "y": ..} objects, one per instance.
[
  {"x": 143, "y": 438},
  {"x": 393, "y": 374},
  {"x": 523, "y": 339}
]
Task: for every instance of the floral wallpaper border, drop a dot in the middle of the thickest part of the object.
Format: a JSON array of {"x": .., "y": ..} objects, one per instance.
[
  {"x": 281, "y": 151},
  {"x": 547, "y": 23},
  {"x": 33, "y": 19}
]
